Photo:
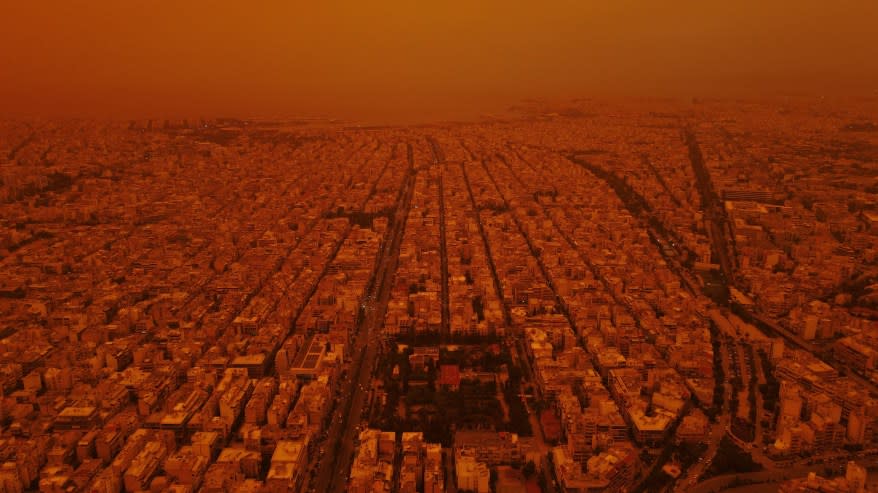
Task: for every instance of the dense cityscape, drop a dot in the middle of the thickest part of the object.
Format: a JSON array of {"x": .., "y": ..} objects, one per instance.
[{"x": 596, "y": 296}]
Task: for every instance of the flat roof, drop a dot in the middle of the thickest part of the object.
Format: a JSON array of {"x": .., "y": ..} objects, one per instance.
[
  {"x": 249, "y": 359},
  {"x": 77, "y": 412},
  {"x": 287, "y": 451}
]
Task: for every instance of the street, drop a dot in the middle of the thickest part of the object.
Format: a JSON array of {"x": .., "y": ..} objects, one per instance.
[{"x": 343, "y": 431}]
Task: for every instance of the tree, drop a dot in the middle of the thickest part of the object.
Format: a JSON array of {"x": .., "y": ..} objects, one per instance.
[
  {"x": 807, "y": 202},
  {"x": 542, "y": 483}
]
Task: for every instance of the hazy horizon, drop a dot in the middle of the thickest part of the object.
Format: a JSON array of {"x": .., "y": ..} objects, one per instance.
[{"x": 392, "y": 61}]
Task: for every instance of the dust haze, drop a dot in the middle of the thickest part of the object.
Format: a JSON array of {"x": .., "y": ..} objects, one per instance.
[{"x": 417, "y": 61}]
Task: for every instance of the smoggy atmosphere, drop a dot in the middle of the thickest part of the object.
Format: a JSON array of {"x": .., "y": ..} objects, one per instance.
[{"x": 415, "y": 61}]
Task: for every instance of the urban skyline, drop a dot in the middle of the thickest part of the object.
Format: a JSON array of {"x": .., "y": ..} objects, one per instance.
[{"x": 589, "y": 297}]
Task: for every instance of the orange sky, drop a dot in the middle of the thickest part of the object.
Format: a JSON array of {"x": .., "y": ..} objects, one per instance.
[{"x": 416, "y": 59}]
